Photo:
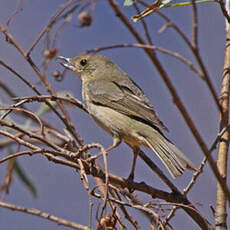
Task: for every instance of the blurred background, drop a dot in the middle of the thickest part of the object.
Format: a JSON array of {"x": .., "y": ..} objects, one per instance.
[{"x": 60, "y": 191}]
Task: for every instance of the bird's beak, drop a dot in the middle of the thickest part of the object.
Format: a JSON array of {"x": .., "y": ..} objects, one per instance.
[{"x": 67, "y": 63}]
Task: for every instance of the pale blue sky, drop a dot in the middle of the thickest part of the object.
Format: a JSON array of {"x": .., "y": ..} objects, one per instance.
[{"x": 60, "y": 191}]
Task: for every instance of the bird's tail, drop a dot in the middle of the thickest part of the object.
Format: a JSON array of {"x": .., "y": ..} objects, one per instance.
[{"x": 170, "y": 155}]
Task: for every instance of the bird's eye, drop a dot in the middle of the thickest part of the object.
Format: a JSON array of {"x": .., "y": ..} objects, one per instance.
[{"x": 83, "y": 62}]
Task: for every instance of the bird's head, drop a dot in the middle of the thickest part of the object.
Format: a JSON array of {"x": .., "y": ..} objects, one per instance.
[{"x": 90, "y": 66}]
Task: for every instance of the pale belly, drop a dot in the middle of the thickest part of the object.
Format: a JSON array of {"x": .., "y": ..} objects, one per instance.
[{"x": 118, "y": 124}]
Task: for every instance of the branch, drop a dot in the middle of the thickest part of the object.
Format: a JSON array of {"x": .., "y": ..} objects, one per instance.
[
  {"x": 197, "y": 56},
  {"x": 49, "y": 25},
  {"x": 154, "y": 216},
  {"x": 65, "y": 117},
  {"x": 222, "y": 159},
  {"x": 96, "y": 171},
  {"x": 152, "y": 47},
  {"x": 224, "y": 11},
  {"x": 200, "y": 169},
  {"x": 43, "y": 98},
  {"x": 43, "y": 215}
]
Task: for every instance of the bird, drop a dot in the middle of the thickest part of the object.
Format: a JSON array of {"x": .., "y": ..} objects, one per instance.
[{"x": 119, "y": 106}]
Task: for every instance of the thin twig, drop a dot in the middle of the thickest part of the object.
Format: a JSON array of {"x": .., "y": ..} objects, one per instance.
[
  {"x": 48, "y": 26},
  {"x": 11, "y": 108},
  {"x": 28, "y": 152},
  {"x": 17, "y": 11},
  {"x": 134, "y": 222},
  {"x": 31, "y": 135},
  {"x": 36, "y": 212},
  {"x": 199, "y": 171},
  {"x": 142, "y": 208},
  {"x": 65, "y": 117},
  {"x": 17, "y": 74},
  {"x": 158, "y": 171},
  {"x": 195, "y": 25},
  {"x": 106, "y": 178},
  {"x": 197, "y": 56},
  {"x": 144, "y": 25},
  {"x": 43, "y": 98},
  {"x": 224, "y": 11},
  {"x": 152, "y": 47}
]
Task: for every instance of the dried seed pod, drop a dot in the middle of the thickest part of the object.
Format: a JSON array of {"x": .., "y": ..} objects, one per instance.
[
  {"x": 50, "y": 54},
  {"x": 57, "y": 75},
  {"x": 107, "y": 222},
  {"x": 85, "y": 18}
]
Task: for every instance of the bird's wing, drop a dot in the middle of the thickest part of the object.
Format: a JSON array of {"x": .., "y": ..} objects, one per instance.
[{"x": 123, "y": 100}]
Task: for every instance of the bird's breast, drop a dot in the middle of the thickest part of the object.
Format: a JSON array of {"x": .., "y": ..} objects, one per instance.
[{"x": 117, "y": 124}]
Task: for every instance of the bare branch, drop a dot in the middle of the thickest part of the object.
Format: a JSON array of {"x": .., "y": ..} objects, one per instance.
[
  {"x": 197, "y": 56},
  {"x": 151, "y": 47},
  {"x": 66, "y": 120},
  {"x": 48, "y": 26},
  {"x": 44, "y": 215},
  {"x": 224, "y": 11},
  {"x": 222, "y": 160},
  {"x": 43, "y": 98}
]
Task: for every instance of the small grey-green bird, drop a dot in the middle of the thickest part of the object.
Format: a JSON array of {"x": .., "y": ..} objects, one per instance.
[{"x": 119, "y": 106}]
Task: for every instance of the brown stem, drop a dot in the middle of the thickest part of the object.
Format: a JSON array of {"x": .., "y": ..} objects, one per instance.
[
  {"x": 153, "y": 48},
  {"x": 47, "y": 27},
  {"x": 224, "y": 11},
  {"x": 44, "y": 215},
  {"x": 64, "y": 117},
  {"x": 221, "y": 197}
]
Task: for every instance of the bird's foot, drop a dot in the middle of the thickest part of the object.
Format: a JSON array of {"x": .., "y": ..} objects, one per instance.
[{"x": 129, "y": 182}]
